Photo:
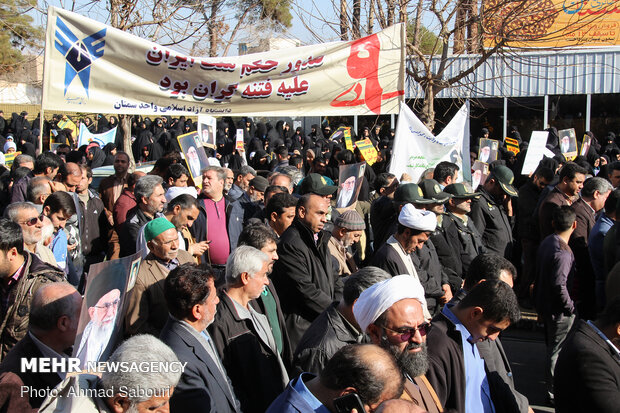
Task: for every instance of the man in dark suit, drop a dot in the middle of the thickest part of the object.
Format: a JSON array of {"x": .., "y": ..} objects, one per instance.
[
  {"x": 192, "y": 299},
  {"x": 54, "y": 317},
  {"x": 587, "y": 373}
]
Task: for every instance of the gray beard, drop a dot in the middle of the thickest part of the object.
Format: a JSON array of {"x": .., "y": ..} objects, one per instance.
[
  {"x": 345, "y": 197},
  {"x": 413, "y": 364}
]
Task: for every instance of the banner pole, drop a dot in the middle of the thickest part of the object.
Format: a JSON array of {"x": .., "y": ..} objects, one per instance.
[{"x": 45, "y": 80}]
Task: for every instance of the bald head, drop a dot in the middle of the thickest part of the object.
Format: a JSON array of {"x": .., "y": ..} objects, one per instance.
[
  {"x": 51, "y": 303},
  {"x": 369, "y": 369},
  {"x": 398, "y": 406},
  {"x": 73, "y": 176}
]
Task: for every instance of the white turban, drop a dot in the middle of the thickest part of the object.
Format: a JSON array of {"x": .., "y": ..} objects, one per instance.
[
  {"x": 175, "y": 191},
  {"x": 376, "y": 299},
  {"x": 417, "y": 218}
]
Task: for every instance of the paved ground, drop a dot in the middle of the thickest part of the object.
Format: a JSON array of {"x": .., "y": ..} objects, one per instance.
[{"x": 525, "y": 348}]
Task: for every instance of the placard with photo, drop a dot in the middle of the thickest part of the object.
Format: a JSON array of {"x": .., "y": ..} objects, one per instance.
[
  {"x": 100, "y": 326},
  {"x": 207, "y": 126},
  {"x": 488, "y": 150},
  {"x": 349, "y": 183},
  {"x": 568, "y": 143},
  {"x": 194, "y": 154}
]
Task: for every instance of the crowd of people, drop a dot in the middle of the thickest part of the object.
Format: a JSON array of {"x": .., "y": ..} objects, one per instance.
[{"x": 276, "y": 300}]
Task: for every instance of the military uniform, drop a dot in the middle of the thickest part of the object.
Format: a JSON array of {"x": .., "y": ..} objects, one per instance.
[
  {"x": 465, "y": 240},
  {"x": 492, "y": 221}
]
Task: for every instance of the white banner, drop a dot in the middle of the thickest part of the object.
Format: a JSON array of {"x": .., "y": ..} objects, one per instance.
[
  {"x": 416, "y": 149},
  {"x": 91, "y": 67},
  {"x": 102, "y": 139},
  {"x": 536, "y": 151}
]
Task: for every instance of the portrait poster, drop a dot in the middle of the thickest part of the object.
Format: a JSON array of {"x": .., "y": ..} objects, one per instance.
[
  {"x": 239, "y": 141},
  {"x": 488, "y": 150},
  {"x": 568, "y": 143},
  {"x": 100, "y": 326},
  {"x": 350, "y": 179},
  {"x": 206, "y": 130},
  {"x": 585, "y": 145},
  {"x": 194, "y": 154},
  {"x": 479, "y": 174}
]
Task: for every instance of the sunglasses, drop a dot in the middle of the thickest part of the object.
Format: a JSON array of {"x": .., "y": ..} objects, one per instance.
[
  {"x": 410, "y": 332},
  {"x": 33, "y": 221}
]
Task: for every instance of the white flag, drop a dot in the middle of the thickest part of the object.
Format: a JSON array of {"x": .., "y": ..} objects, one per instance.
[{"x": 416, "y": 149}]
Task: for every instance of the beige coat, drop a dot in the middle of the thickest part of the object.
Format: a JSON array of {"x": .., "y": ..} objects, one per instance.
[{"x": 147, "y": 311}]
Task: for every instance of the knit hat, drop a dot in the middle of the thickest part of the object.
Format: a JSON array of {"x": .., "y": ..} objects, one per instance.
[
  {"x": 350, "y": 220},
  {"x": 417, "y": 218},
  {"x": 155, "y": 227},
  {"x": 377, "y": 298},
  {"x": 259, "y": 183},
  {"x": 175, "y": 191},
  {"x": 8, "y": 145}
]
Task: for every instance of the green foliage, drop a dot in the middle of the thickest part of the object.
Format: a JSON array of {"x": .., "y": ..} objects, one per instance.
[
  {"x": 16, "y": 32},
  {"x": 276, "y": 13},
  {"x": 429, "y": 42}
]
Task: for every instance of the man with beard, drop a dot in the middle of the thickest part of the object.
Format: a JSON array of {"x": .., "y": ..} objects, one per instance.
[
  {"x": 336, "y": 327},
  {"x": 150, "y": 199},
  {"x": 456, "y": 370},
  {"x": 347, "y": 192},
  {"x": 390, "y": 312},
  {"x": 348, "y": 228},
  {"x": 28, "y": 217},
  {"x": 263, "y": 238},
  {"x": 146, "y": 313},
  {"x": 103, "y": 299},
  {"x": 241, "y": 182}
]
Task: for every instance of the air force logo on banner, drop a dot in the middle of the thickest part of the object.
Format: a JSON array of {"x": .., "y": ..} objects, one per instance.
[{"x": 79, "y": 54}]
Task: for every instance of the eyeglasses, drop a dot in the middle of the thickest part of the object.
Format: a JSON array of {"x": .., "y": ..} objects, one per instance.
[
  {"x": 108, "y": 305},
  {"x": 410, "y": 332},
  {"x": 33, "y": 221}
]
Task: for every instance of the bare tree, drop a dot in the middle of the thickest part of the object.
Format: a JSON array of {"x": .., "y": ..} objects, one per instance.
[{"x": 480, "y": 28}]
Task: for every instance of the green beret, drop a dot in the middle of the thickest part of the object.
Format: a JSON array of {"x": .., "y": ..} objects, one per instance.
[{"x": 155, "y": 227}]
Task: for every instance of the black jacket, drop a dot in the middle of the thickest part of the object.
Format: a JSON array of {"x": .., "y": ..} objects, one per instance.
[
  {"x": 27, "y": 349},
  {"x": 136, "y": 219},
  {"x": 327, "y": 334},
  {"x": 465, "y": 241},
  {"x": 303, "y": 278},
  {"x": 587, "y": 374},
  {"x": 498, "y": 370},
  {"x": 252, "y": 366},
  {"x": 493, "y": 223},
  {"x": 432, "y": 275}
]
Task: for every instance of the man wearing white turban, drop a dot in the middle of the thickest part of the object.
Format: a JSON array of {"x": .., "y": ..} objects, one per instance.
[
  {"x": 390, "y": 312},
  {"x": 397, "y": 255}
]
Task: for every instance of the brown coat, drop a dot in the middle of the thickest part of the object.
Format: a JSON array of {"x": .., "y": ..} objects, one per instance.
[
  {"x": 147, "y": 311},
  {"x": 14, "y": 325},
  {"x": 555, "y": 198}
]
